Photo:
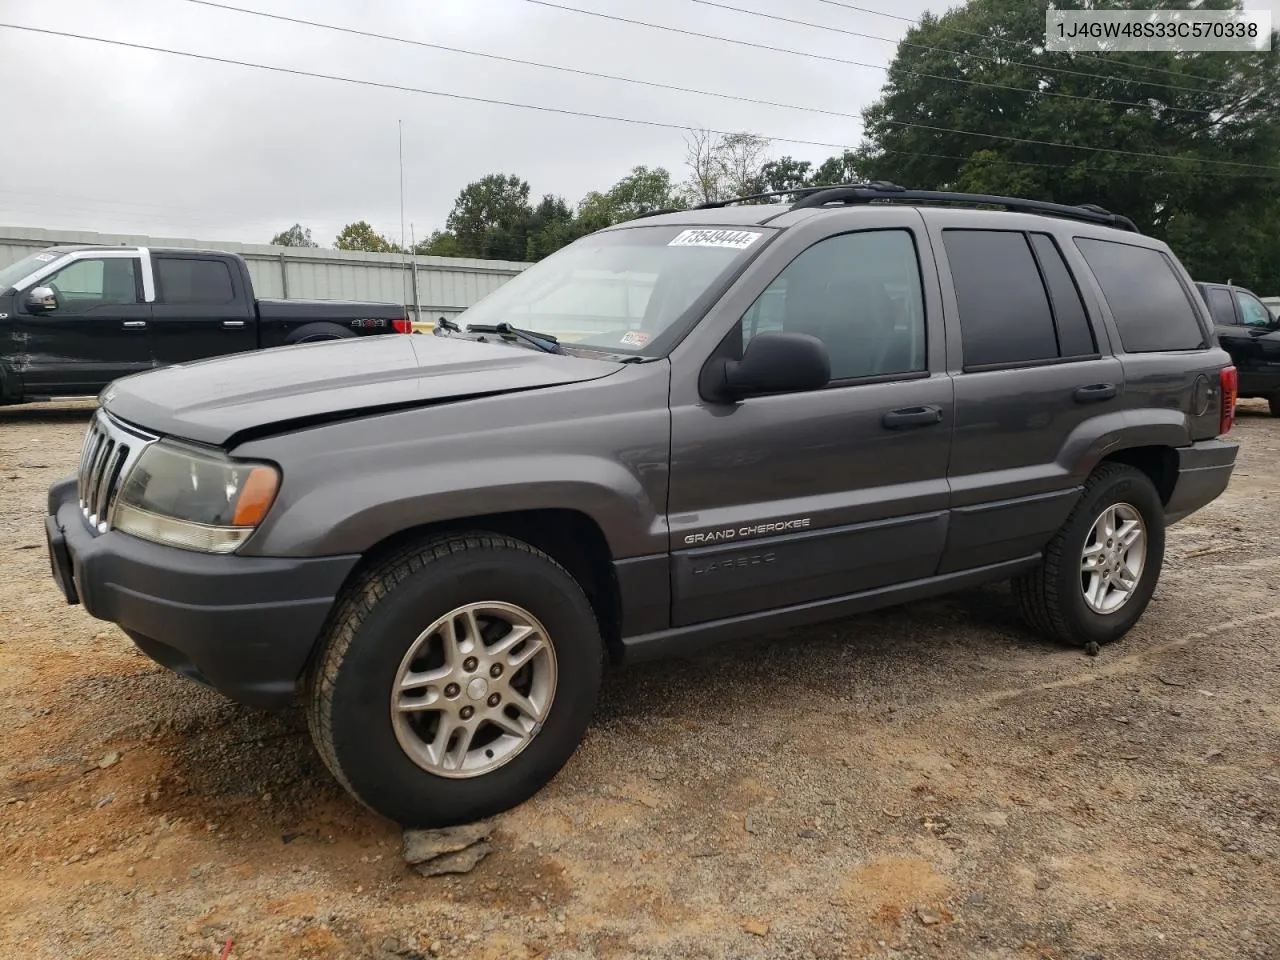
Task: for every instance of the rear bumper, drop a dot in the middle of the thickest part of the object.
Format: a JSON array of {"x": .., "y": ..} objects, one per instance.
[
  {"x": 1204, "y": 470},
  {"x": 243, "y": 625}
]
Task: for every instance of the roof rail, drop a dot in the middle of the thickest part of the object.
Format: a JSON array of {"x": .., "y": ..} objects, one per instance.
[{"x": 880, "y": 191}]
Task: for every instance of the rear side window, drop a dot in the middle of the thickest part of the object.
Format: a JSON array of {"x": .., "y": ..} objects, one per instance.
[
  {"x": 1075, "y": 336},
  {"x": 194, "y": 281},
  {"x": 1152, "y": 311},
  {"x": 1219, "y": 301},
  {"x": 1004, "y": 308}
]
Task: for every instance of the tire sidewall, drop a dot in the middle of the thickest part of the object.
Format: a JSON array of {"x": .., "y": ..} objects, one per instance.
[
  {"x": 1127, "y": 486},
  {"x": 364, "y": 740}
]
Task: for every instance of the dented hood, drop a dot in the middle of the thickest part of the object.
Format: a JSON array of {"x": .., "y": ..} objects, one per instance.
[{"x": 224, "y": 399}]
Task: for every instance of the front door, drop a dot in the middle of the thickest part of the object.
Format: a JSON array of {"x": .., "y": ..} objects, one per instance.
[
  {"x": 786, "y": 499},
  {"x": 1260, "y": 336},
  {"x": 97, "y": 331}
]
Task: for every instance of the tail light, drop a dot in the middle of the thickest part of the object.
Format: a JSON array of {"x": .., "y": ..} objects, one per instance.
[
  {"x": 403, "y": 326},
  {"x": 1230, "y": 382}
]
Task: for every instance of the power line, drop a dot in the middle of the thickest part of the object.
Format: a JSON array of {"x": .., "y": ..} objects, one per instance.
[
  {"x": 563, "y": 111},
  {"x": 931, "y": 76},
  {"x": 524, "y": 63},
  {"x": 986, "y": 36},
  {"x": 801, "y": 53},
  {"x": 382, "y": 85}
]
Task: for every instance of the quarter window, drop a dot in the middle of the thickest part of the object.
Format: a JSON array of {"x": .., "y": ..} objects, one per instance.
[
  {"x": 1152, "y": 310},
  {"x": 860, "y": 294}
]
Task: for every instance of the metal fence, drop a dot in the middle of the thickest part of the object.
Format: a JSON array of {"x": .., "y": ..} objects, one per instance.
[{"x": 438, "y": 287}]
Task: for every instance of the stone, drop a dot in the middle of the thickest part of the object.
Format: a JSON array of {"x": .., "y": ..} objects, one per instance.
[
  {"x": 460, "y": 861},
  {"x": 421, "y": 845},
  {"x": 757, "y": 928}
]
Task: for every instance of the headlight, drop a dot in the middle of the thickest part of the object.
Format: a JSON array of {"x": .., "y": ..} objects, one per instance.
[{"x": 194, "y": 499}]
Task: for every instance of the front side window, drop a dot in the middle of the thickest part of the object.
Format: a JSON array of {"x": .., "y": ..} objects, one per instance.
[
  {"x": 85, "y": 285},
  {"x": 622, "y": 291},
  {"x": 1252, "y": 312},
  {"x": 860, "y": 294}
]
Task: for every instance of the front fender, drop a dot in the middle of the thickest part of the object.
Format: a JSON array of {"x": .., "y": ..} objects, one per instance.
[{"x": 359, "y": 512}]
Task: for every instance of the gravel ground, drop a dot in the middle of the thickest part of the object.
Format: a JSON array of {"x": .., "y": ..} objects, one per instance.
[{"x": 929, "y": 781}]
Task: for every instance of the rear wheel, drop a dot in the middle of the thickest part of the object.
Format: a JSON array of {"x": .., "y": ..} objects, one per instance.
[
  {"x": 1273, "y": 402},
  {"x": 1101, "y": 568},
  {"x": 455, "y": 680}
]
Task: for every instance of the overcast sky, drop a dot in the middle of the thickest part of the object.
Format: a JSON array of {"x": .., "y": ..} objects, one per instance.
[{"x": 111, "y": 139}]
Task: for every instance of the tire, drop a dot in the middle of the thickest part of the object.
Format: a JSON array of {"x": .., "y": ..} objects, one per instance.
[
  {"x": 1273, "y": 402},
  {"x": 1051, "y": 597},
  {"x": 364, "y": 651}
]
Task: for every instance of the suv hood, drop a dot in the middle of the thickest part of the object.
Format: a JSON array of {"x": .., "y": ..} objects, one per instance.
[{"x": 216, "y": 401}]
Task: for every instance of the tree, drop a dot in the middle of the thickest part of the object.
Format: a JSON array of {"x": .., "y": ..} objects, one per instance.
[
  {"x": 640, "y": 191},
  {"x": 996, "y": 80},
  {"x": 785, "y": 173},
  {"x": 724, "y": 165},
  {"x": 361, "y": 236},
  {"x": 440, "y": 244},
  {"x": 295, "y": 236},
  {"x": 488, "y": 218}
]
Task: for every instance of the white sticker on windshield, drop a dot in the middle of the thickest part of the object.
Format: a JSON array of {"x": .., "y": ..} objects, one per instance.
[
  {"x": 46, "y": 257},
  {"x": 734, "y": 239}
]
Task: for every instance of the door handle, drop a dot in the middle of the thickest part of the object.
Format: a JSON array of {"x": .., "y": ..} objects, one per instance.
[
  {"x": 135, "y": 324},
  {"x": 232, "y": 324},
  {"x": 912, "y": 417},
  {"x": 1096, "y": 392}
]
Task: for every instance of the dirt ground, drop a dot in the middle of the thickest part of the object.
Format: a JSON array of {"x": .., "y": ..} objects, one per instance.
[{"x": 929, "y": 781}]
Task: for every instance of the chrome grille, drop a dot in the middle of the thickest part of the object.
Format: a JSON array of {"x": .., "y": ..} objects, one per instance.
[{"x": 109, "y": 453}]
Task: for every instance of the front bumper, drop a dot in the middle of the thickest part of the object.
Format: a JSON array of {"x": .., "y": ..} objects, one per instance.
[
  {"x": 243, "y": 625},
  {"x": 1204, "y": 470}
]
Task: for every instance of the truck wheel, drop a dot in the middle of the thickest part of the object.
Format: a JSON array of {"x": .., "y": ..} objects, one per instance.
[
  {"x": 455, "y": 679},
  {"x": 1101, "y": 567},
  {"x": 1273, "y": 402}
]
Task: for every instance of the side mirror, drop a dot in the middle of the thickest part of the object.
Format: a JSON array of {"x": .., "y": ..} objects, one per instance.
[
  {"x": 771, "y": 363},
  {"x": 41, "y": 300}
]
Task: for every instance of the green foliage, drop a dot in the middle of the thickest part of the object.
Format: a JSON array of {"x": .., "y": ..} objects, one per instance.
[
  {"x": 1219, "y": 219},
  {"x": 361, "y": 236},
  {"x": 295, "y": 236}
]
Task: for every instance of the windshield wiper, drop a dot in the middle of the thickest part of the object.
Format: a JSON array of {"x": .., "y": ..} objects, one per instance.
[{"x": 543, "y": 341}]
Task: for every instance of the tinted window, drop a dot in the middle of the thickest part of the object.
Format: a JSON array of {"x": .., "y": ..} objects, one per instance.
[
  {"x": 1252, "y": 312},
  {"x": 859, "y": 293},
  {"x": 87, "y": 284},
  {"x": 1219, "y": 301},
  {"x": 1075, "y": 336},
  {"x": 1004, "y": 310},
  {"x": 194, "y": 281},
  {"x": 1151, "y": 308}
]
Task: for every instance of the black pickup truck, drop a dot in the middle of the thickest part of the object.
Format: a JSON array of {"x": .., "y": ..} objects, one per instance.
[
  {"x": 1251, "y": 335},
  {"x": 75, "y": 318}
]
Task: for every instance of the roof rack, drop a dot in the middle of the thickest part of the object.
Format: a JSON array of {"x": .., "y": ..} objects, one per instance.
[{"x": 881, "y": 191}]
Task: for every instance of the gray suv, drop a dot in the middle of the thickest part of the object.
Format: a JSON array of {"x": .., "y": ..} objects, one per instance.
[{"x": 682, "y": 429}]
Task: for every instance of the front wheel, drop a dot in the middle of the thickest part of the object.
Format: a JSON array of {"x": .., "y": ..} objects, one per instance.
[
  {"x": 455, "y": 680},
  {"x": 1101, "y": 567}
]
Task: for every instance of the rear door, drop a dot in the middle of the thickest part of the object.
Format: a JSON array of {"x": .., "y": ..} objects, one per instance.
[
  {"x": 97, "y": 333},
  {"x": 1235, "y": 337},
  {"x": 1029, "y": 372},
  {"x": 203, "y": 309},
  {"x": 792, "y": 498}
]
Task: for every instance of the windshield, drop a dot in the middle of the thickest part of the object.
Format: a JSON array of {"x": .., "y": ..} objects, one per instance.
[
  {"x": 27, "y": 265},
  {"x": 620, "y": 290}
]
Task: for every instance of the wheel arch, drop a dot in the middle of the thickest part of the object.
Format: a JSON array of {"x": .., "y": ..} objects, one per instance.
[
  {"x": 570, "y": 537},
  {"x": 1158, "y": 461},
  {"x": 319, "y": 330}
]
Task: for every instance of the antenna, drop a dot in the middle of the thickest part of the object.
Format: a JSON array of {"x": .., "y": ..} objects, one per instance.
[{"x": 404, "y": 251}]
